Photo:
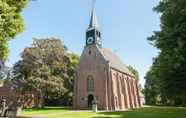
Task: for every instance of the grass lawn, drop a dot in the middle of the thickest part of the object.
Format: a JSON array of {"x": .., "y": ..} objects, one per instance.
[{"x": 147, "y": 112}]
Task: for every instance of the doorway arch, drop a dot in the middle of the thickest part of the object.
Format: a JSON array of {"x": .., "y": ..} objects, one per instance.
[{"x": 90, "y": 100}]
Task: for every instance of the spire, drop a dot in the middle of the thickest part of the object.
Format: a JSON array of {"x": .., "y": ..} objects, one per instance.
[
  {"x": 93, "y": 34},
  {"x": 93, "y": 20}
]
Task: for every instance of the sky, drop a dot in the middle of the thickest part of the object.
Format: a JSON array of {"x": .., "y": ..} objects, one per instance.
[{"x": 125, "y": 26}]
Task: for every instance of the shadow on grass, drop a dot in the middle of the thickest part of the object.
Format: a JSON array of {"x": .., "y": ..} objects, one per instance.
[{"x": 150, "y": 112}]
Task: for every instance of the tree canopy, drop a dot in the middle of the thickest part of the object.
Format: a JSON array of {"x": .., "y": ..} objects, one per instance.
[
  {"x": 166, "y": 79},
  {"x": 11, "y": 23},
  {"x": 134, "y": 72},
  {"x": 47, "y": 68}
]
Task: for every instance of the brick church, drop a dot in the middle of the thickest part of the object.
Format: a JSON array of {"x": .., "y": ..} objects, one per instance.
[{"x": 102, "y": 77}]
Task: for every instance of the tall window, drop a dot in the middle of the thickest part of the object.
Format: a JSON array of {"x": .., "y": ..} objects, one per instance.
[{"x": 90, "y": 84}]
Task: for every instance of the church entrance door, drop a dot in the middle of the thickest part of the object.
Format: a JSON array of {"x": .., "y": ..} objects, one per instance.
[{"x": 90, "y": 100}]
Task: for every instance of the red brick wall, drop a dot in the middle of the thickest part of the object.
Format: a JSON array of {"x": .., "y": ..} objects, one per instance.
[
  {"x": 113, "y": 89},
  {"x": 125, "y": 94}
]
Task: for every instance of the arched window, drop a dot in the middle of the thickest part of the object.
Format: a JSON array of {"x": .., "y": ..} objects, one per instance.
[{"x": 90, "y": 84}]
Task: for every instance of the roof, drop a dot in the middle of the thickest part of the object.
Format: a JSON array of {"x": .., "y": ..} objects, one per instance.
[
  {"x": 115, "y": 61},
  {"x": 93, "y": 20}
]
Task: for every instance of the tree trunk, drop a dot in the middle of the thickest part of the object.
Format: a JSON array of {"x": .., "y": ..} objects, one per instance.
[{"x": 39, "y": 100}]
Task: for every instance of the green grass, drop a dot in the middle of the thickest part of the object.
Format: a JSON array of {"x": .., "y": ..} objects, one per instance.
[
  {"x": 47, "y": 111},
  {"x": 147, "y": 112}
]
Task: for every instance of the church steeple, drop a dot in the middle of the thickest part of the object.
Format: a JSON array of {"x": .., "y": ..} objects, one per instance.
[
  {"x": 93, "y": 20},
  {"x": 93, "y": 34}
]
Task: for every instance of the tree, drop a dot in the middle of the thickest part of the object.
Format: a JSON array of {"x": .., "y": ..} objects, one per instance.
[
  {"x": 73, "y": 60},
  {"x": 134, "y": 71},
  {"x": 4, "y": 73},
  {"x": 152, "y": 87},
  {"x": 170, "y": 64},
  {"x": 48, "y": 69},
  {"x": 42, "y": 67},
  {"x": 11, "y": 23}
]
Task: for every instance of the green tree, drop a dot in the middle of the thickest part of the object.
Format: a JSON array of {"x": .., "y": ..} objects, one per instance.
[
  {"x": 170, "y": 64},
  {"x": 152, "y": 87},
  {"x": 134, "y": 72},
  {"x": 11, "y": 23},
  {"x": 47, "y": 68},
  {"x": 66, "y": 99},
  {"x": 42, "y": 67},
  {"x": 73, "y": 60}
]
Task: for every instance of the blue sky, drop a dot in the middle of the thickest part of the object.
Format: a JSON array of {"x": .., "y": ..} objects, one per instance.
[{"x": 125, "y": 26}]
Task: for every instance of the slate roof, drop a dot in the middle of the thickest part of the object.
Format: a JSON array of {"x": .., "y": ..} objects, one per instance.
[
  {"x": 93, "y": 20},
  {"x": 115, "y": 61}
]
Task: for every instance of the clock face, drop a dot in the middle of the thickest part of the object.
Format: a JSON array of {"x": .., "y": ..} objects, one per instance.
[{"x": 90, "y": 40}]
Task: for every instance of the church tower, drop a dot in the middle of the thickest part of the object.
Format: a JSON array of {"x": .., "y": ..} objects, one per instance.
[
  {"x": 93, "y": 34},
  {"x": 101, "y": 77}
]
